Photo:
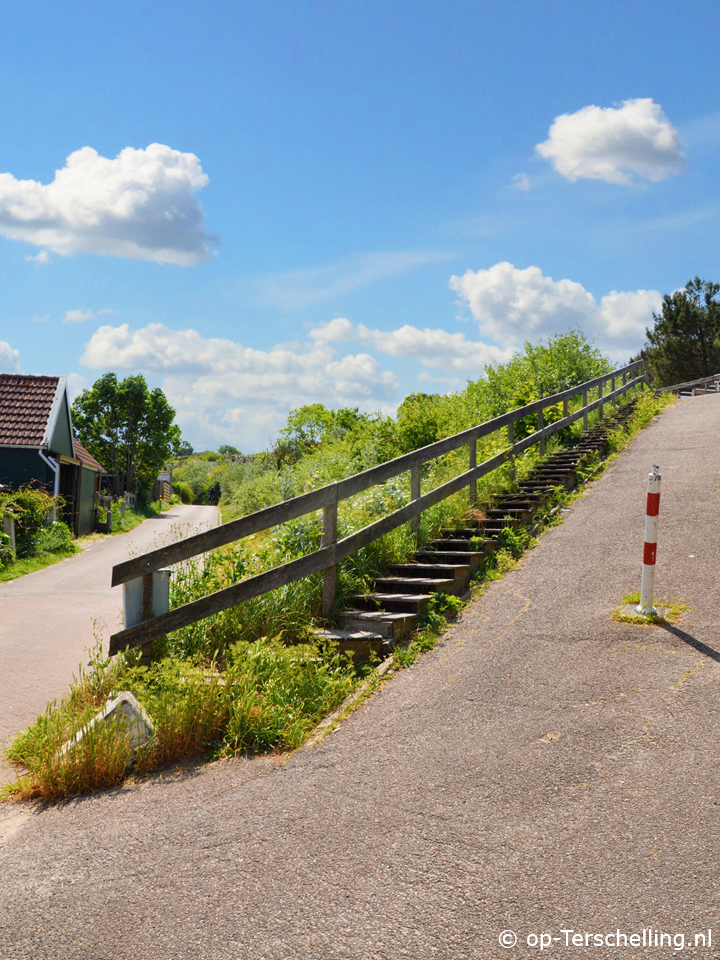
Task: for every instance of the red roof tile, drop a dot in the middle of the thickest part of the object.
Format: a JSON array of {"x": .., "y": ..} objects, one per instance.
[
  {"x": 25, "y": 406},
  {"x": 87, "y": 458}
]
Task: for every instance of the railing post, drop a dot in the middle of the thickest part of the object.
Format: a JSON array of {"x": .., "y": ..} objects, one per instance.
[
  {"x": 566, "y": 409},
  {"x": 329, "y": 537},
  {"x": 147, "y": 613},
  {"x": 511, "y": 441},
  {"x": 414, "y": 494},
  {"x": 585, "y": 418},
  {"x": 600, "y": 393},
  {"x": 541, "y": 424},
  {"x": 472, "y": 458}
]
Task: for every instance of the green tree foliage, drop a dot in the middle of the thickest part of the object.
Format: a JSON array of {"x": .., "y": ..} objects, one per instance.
[
  {"x": 311, "y": 425},
  {"x": 128, "y": 428},
  {"x": 419, "y": 421},
  {"x": 227, "y": 451},
  {"x": 684, "y": 344}
]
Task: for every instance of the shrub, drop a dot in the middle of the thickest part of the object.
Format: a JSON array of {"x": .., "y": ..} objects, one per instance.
[
  {"x": 184, "y": 491},
  {"x": 7, "y": 554},
  {"x": 56, "y": 538},
  {"x": 30, "y": 508}
]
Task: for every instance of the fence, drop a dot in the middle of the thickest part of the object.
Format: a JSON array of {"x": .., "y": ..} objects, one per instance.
[
  {"x": 704, "y": 385},
  {"x": 326, "y": 498}
]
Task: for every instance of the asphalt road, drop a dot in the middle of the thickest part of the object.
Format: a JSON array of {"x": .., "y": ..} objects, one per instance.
[
  {"x": 545, "y": 769},
  {"x": 49, "y": 619}
]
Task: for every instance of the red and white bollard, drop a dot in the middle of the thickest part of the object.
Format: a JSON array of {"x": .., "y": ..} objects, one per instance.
[{"x": 652, "y": 518}]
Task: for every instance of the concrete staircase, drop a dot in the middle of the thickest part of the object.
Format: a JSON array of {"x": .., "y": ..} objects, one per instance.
[{"x": 392, "y": 610}]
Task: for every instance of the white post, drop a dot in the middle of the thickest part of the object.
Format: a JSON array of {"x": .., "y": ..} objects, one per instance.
[{"x": 652, "y": 518}]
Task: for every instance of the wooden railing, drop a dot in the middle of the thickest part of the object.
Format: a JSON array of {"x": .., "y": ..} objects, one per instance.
[
  {"x": 691, "y": 384},
  {"x": 326, "y": 498}
]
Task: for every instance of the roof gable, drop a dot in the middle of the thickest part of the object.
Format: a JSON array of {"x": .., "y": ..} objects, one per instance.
[{"x": 34, "y": 412}]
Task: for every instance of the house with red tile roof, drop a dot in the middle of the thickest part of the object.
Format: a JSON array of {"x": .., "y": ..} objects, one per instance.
[{"x": 38, "y": 447}]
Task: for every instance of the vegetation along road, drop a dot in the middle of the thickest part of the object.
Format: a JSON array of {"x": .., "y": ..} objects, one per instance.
[
  {"x": 50, "y": 618},
  {"x": 544, "y": 768}
]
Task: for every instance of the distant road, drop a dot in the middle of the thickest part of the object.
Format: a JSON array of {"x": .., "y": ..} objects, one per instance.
[{"x": 48, "y": 619}]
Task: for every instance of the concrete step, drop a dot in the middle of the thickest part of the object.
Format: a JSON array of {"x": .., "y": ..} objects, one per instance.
[
  {"x": 358, "y": 644},
  {"x": 451, "y": 558},
  {"x": 416, "y": 603},
  {"x": 414, "y": 585},
  {"x": 390, "y": 626}
]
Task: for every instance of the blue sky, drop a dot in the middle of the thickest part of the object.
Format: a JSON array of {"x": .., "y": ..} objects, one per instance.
[{"x": 322, "y": 171}]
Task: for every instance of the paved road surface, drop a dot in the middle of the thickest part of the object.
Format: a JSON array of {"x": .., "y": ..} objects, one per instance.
[
  {"x": 48, "y": 619},
  {"x": 442, "y": 812}
]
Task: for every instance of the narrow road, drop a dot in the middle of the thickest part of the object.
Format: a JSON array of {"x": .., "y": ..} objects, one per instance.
[
  {"x": 49, "y": 619},
  {"x": 545, "y": 769}
]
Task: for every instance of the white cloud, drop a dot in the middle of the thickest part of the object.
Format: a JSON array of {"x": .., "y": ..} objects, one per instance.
[
  {"x": 622, "y": 318},
  {"x": 224, "y": 391},
  {"x": 81, "y": 316},
  {"x": 432, "y": 347},
  {"x": 76, "y": 384},
  {"x": 615, "y": 144},
  {"x": 9, "y": 358},
  {"x": 42, "y": 257},
  {"x": 297, "y": 289},
  {"x": 37, "y": 319},
  {"x": 140, "y": 205},
  {"x": 512, "y": 305},
  {"x": 521, "y": 181}
]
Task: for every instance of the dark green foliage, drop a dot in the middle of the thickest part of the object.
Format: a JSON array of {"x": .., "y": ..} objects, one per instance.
[
  {"x": 184, "y": 491},
  {"x": 7, "y": 554},
  {"x": 419, "y": 421},
  {"x": 684, "y": 344},
  {"x": 128, "y": 428},
  {"x": 31, "y": 507}
]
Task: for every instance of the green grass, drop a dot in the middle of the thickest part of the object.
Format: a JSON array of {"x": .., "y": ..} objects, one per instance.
[
  {"x": 674, "y": 609},
  {"x": 268, "y": 697},
  {"x": 21, "y": 568}
]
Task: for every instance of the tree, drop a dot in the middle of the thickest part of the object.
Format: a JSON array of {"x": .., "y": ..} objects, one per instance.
[
  {"x": 685, "y": 341},
  {"x": 185, "y": 450},
  {"x": 128, "y": 428},
  {"x": 228, "y": 451}
]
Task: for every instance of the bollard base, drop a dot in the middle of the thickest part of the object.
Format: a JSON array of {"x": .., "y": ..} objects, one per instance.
[{"x": 632, "y": 611}]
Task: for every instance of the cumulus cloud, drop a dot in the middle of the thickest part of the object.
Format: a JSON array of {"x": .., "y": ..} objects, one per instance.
[
  {"x": 521, "y": 181},
  {"x": 615, "y": 144},
  {"x": 432, "y": 347},
  {"x": 9, "y": 358},
  {"x": 42, "y": 257},
  {"x": 76, "y": 384},
  {"x": 39, "y": 319},
  {"x": 224, "y": 390},
  {"x": 139, "y": 205},
  {"x": 81, "y": 316},
  {"x": 512, "y": 305}
]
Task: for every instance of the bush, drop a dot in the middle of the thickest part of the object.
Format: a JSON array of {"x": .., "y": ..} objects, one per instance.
[
  {"x": 7, "y": 554},
  {"x": 184, "y": 491},
  {"x": 30, "y": 508},
  {"x": 57, "y": 538}
]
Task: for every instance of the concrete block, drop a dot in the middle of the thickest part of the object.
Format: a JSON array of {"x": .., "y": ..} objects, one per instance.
[{"x": 139, "y": 726}]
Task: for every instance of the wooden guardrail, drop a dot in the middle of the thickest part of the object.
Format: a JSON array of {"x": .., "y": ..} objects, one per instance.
[
  {"x": 326, "y": 498},
  {"x": 703, "y": 382}
]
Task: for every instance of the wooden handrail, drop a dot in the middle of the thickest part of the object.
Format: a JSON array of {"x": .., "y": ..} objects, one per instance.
[
  {"x": 690, "y": 383},
  {"x": 329, "y": 555},
  {"x": 296, "y": 507}
]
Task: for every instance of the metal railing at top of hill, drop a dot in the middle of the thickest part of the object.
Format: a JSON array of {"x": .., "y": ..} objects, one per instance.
[
  {"x": 326, "y": 498},
  {"x": 693, "y": 384}
]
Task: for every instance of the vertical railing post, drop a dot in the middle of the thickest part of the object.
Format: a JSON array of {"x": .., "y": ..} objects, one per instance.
[
  {"x": 600, "y": 393},
  {"x": 585, "y": 417},
  {"x": 472, "y": 463},
  {"x": 329, "y": 537},
  {"x": 541, "y": 424},
  {"x": 566, "y": 409},
  {"x": 511, "y": 459},
  {"x": 147, "y": 612},
  {"x": 414, "y": 494}
]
